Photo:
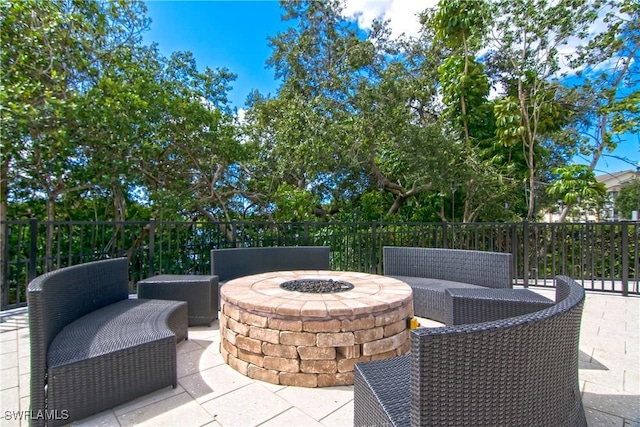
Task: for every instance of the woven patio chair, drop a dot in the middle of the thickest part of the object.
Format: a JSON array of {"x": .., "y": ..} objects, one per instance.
[
  {"x": 92, "y": 348},
  {"x": 518, "y": 371},
  {"x": 431, "y": 271},
  {"x": 232, "y": 263}
]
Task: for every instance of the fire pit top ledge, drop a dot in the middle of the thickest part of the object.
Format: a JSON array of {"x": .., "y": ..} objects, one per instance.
[{"x": 261, "y": 293}]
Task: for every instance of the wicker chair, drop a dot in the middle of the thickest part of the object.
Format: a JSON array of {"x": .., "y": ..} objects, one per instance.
[
  {"x": 519, "y": 371},
  {"x": 430, "y": 272},
  {"x": 92, "y": 348},
  {"x": 232, "y": 263}
]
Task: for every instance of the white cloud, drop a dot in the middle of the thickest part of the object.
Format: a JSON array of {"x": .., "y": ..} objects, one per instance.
[
  {"x": 403, "y": 17},
  {"x": 402, "y": 14},
  {"x": 241, "y": 114}
]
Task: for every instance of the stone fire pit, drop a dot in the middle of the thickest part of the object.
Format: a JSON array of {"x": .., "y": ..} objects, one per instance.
[{"x": 311, "y": 339}]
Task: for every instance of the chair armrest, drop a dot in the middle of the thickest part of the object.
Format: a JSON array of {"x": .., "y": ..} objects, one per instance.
[{"x": 464, "y": 306}]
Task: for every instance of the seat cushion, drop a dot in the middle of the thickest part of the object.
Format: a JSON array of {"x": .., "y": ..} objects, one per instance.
[
  {"x": 125, "y": 324},
  {"x": 435, "y": 284},
  {"x": 429, "y": 295}
]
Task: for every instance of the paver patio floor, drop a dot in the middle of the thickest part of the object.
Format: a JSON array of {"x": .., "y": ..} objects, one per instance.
[{"x": 213, "y": 394}]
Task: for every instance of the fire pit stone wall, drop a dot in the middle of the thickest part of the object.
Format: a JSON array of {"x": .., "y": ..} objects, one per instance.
[{"x": 317, "y": 343}]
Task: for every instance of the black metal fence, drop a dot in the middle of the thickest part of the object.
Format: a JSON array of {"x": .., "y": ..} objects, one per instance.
[{"x": 603, "y": 256}]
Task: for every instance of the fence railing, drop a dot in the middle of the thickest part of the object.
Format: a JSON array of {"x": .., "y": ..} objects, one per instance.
[{"x": 603, "y": 256}]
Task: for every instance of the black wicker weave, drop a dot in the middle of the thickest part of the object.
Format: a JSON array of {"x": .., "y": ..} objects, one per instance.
[
  {"x": 92, "y": 348},
  {"x": 519, "y": 371},
  {"x": 485, "y": 304},
  {"x": 431, "y": 271},
  {"x": 232, "y": 263},
  {"x": 199, "y": 291}
]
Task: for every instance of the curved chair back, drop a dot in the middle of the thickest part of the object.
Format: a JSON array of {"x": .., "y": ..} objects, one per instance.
[
  {"x": 517, "y": 371},
  {"x": 57, "y": 298},
  {"x": 231, "y": 263},
  {"x": 482, "y": 268}
]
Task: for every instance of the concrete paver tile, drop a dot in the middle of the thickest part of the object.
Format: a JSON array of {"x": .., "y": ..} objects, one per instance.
[
  {"x": 292, "y": 417},
  {"x": 204, "y": 332},
  {"x": 608, "y": 362},
  {"x": 214, "y": 382},
  {"x": 9, "y": 360},
  {"x": 342, "y": 417},
  {"x": 178, "y": 410},
  {"x": 25, "y": 385},
  {"x": 317, "y": 402},
  {"x": 149, "y": 399},
  {"x": 188, "y": 346},
  {"x": 24, "y": 365},
  {"x": 8, "y": 334},
  {"x": 9, "y": 378},
  {"x": 103, "y": 419},
  {"x": 210, "y": 345},
  {"x": 611, "y": 401},
  {"x": 600, "y": 419},
  {"x": 248, "y": 406},
  {"x": 198, "y": 360},
  {"x": 632, "y": 379},
  {"x": 11, "y": 411}
]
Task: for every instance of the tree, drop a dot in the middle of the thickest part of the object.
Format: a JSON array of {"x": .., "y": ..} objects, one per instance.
[
  {"x": 189, "y": 163},
  {"x": 53, "y": 53},
  {"x": 300, "y": 134},
  {"x": 354, "y": 115},
  {"x": 524, "y": 59},
  {"x": 607, "y": 76},
  {"x": 461, "y": 26}
]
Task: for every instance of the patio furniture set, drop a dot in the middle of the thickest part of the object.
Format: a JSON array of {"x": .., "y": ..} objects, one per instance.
[{"x": 505, "y": 357}]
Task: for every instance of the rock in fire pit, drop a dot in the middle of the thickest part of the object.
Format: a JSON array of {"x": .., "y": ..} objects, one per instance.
[{"x": 317, "y": 286}]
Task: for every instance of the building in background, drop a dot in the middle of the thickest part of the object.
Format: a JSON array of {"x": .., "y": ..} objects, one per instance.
[{"x": 614, "y": 182}]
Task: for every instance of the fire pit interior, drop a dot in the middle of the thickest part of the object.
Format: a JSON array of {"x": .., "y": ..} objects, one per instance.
[
  {"x": 309, "y": 328},
  {"x": 317, "y": 286}
]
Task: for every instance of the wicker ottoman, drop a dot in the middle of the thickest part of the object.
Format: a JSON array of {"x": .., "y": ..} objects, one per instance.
[{"x": 200, "y": 293}]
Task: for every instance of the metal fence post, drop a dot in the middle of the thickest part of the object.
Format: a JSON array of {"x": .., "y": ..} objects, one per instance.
[
  {"x": 374, "y": 248},
  {"x": 514, "y": 248},
  {"x": 4, "y": 290},
  {"x": 445, "y": 233},
  {"x": 33, "y": 249},
  {"x": 152, "y": 248},
  {"x": 625, "y": 258},
  {"x": 525, "y": 253},
  {"x": 234, "y": 237}
]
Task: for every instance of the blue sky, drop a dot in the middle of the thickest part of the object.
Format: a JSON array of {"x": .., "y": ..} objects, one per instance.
[{"x": 233, "y": 34}]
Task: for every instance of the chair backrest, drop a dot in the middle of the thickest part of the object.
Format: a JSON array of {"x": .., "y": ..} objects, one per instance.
[
  {"x": 489, "y": 269},
  {"x": 517, "y": 371},
  {"x": 229, "y": 264},
  {"x": 57, "y": 298}
]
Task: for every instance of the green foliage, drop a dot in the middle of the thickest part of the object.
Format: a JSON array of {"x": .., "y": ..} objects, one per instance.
[
  {"x": 608, "y": 68},
  {"x": 628, "y": 199},
  {"x": 55, "y": 56},
  {"x": 96, "y": 125},
  {"x": 576, "y": 183},
  {"x": 468, "y": 82},
  {"x": 293, "y": 204},
  {"x": 457, "y": 21}
]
